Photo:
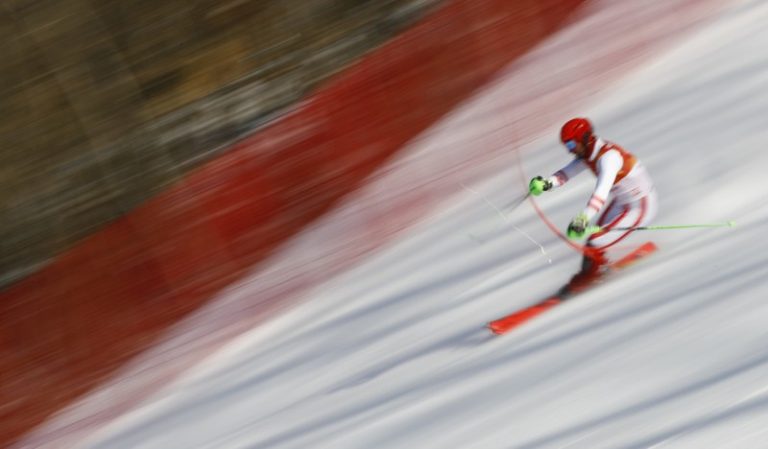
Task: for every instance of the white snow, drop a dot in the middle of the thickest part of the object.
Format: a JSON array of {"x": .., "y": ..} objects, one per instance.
[{"x": 393, "y": 353}]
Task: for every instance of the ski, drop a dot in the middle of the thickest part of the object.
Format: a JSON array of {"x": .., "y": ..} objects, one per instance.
[{"x": 515, "y": 319}]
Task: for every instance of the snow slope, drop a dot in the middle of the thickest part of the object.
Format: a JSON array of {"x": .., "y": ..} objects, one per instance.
[{"x": 393, "y": 353}]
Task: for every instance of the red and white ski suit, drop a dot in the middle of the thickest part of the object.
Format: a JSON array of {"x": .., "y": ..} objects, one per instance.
[{"x": 623, "y": 180}]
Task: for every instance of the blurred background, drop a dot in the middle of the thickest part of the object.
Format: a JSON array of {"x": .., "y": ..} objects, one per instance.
[
  {"x": 106, "y": 103},
  {"x": 161, "y": 158}
]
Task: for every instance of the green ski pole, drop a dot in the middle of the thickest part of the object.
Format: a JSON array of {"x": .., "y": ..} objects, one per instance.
[{"x": 729, "y": 224}]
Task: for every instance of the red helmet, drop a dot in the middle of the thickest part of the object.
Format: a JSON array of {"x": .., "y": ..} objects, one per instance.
[{"x": 578, "y": 129}]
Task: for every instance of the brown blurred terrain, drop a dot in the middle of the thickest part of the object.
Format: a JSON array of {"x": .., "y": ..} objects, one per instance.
[{"x": 105, "y": 103}]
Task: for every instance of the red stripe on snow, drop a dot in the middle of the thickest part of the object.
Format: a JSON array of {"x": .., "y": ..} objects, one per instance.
[{"x": 66, "y": 328}]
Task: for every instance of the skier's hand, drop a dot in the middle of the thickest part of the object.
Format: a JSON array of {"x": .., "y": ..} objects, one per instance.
[
  {"x": 578, "y": 227},
  {"x": 539, "y": 185}
]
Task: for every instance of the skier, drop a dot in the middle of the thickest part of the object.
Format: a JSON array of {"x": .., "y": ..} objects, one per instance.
[{"x": 620, "y": 177}]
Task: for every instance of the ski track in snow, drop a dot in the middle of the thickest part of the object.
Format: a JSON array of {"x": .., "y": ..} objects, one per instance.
[{"x": 393, "y": 354}]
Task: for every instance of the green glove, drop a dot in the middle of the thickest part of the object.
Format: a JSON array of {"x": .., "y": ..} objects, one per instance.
[
  {"x": 578, "y": 227},
  {"x": 539, "y": 185}
]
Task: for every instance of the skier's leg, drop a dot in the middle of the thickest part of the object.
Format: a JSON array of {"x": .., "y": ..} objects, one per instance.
[
  {"x": 633, "y": 214},
  {"x": 594, "y": 259},
  {"x": 616, "y": 215}
]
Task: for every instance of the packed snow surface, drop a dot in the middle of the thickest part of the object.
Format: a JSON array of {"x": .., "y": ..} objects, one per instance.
[{"x": 672, "y": 353}]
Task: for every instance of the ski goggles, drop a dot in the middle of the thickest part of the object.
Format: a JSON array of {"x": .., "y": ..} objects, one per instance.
[{"x": 571, "y": 145}]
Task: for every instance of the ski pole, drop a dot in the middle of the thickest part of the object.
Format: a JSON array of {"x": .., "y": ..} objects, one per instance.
[
  {"x": 506, "y": 218},
  {"x": 519, "y": 202},
  {"x": 729, "y": 224},
  {"x": 514, "y": 206}
]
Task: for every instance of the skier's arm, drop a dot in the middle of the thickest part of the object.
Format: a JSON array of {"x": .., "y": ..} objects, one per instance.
[
  {"x": 562, "y": 176},
  {"x": 608, "y": 167}
]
